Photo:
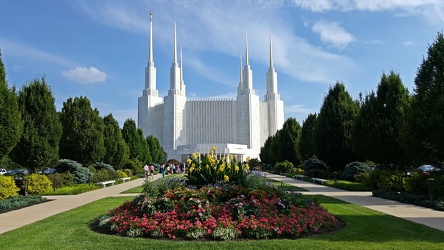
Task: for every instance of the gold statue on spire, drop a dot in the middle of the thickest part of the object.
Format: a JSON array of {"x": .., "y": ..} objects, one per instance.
[{"x": 151, "y": 16}]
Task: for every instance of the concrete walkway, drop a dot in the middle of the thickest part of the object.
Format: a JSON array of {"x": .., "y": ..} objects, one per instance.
[
  {"x": 421, "y": 215},
  {"x": 58, "y": 204}
]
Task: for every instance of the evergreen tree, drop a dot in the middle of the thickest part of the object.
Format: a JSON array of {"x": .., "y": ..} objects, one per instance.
[
  {"x": 424, "y": 135},
  {"x": 11, "y": 124},
  {"x": 116, "y": 150},
  {"x": 332, "y": 133},
  {"x": 377, "y": 128},
  {"x": 288, "y": 139},
  {"x": 157, "y": 153},
  {"x": 146, "y": 154},
  {"x": 39, "y": 145},
  {"x": 131, "y": 137},
  {"x": 82, "y": 138},
  {"x": 306, "y": 142}
]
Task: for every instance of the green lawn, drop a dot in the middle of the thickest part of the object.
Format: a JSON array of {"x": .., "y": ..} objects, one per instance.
[{"x": 365, "y": 229}]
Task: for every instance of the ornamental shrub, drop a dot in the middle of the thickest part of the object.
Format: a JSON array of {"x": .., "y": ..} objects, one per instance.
[
  {"x": 128, "y": 172},
  {"x": 59, "y": 180},
  {"x": 38, "y": 184},
  {"x": 121, "y": 174},
  {"x": 7, "y": 187},
  {"x": 284, "y": 167},
  {"x": 16, "y": 202},
  {"x": 101, "y": 165},
  {"x": 81, "y": 174},
  {"x": 352, "y": 169},
  {"x": 101, "y": 175},
  {"x": 314, "y": 166}
]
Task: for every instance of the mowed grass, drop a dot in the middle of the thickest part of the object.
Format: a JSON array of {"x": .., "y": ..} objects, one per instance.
[{"x": 365, "y": 229}]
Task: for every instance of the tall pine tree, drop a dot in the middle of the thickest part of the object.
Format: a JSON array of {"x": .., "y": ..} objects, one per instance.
[
  {"x": 82, "y": 137},
  {"x": 332, "y": 133},
  {"x": 39, "y": 145},
  {"x": 424, "y": 134},
  {"x": 11, "y": 124}
]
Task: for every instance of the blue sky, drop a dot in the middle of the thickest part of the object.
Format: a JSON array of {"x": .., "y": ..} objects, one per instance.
[{"x": 99, "y": 49}]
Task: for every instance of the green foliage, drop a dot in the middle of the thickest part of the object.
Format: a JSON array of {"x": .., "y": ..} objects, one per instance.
[
  {"x": 157, "y": 153},
  {"x": 128, "y": 172},
  {"x": 348, "y": 185},
  {"x": 207, "y": 169},
  {"x": 121, "y": 174},
  {"x": 7, "y": 187},
  {"x": 135, "y": 166},
  {"x": 132, "y": 139},
  {"x": 306, "y": 141},
  {"x": 288, "y": 141},
  {"x": 101, "y": 165},
  {"x": 11, "y": 123},
  {"x": 424, "y": 134},
  {"x": 418, "y": 183},
  {"x": 157, "y": 187},
  {"x": 146, "y": 154},
  {"x": 352, "y": 169},
  {"x": 81, "y": 174},
  {"x": 332, "y": 133},
  {"x": 116, "y": 150},
  {"x": 386, "y": 179},
  {"x": 102, "y": 175},
  {"x": 74, "y": 189},
  {"x": 415, "y": 199},
  {"x": 39, "y": 145},
  {"x": 314, "y": 166},
  {"x": 16, "y": 202},
  {"x": 82, "y": 138},
  {"x": 59, "y": 180},
  {"x": 38, "y": 184},
  {"x": 284, "y": 167},
  {"x": 377, "y": 129},
  {"x": 284, "y": 145}
]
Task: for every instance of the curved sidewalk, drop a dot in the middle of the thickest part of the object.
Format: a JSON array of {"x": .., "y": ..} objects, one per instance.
[
  {"x": 58, "y": 204},
  {"x": 61, "y": 203},
  {"x": 421, "y": 215}
]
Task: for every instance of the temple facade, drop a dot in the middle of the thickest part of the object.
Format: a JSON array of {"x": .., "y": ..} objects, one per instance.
[{"x": 183, "y": 126}]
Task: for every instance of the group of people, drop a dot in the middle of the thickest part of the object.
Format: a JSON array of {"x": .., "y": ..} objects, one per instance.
[{"x": 164, "y": 169}]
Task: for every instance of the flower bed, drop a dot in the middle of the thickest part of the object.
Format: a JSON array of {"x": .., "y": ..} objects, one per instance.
[
  {"x": 218, "y": 199},
  {"x": 220, "y": 213}
]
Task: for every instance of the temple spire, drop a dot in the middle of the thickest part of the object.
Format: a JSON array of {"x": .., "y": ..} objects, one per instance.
[
  {"x": 246, "y": 48},
  {"x": 175, "y": 48},
  {"x": 181, "y": 67},
  {"x": 151, "y": 38},
  {"x": 271, "y": 52},
  {"x": 240, "y": 77}
]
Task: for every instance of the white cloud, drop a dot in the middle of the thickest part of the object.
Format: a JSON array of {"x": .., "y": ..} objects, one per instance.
[
  {"x": 363, "y": 5},
  {"x": 409, "y": 43},
  {"x": 297, "y": 109},
  {"x": 85, "y": 75},
  {"x": 333, "y": 34}
]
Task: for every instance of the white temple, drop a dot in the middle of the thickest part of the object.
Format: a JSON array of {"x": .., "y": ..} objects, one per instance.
[{"x": 183, "y": 126}]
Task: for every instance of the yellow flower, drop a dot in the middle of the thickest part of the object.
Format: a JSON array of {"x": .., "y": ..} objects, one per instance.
[
  {"x": 195, "y": 156},
  {"x": 191, "y": 169},
  {"x": 231, "y": 157},
  {"x": 213, "y": 148},
  {"x": 193, "y": 165},
  {"x": 226, "y": 178},
  {"x": 189, "y": 161},
  {"x": 236, "y": 168},
  {"x": 207, "y": 166},
  {"x": 221, "y": 168},
  {"x": 248, "y": 158}
]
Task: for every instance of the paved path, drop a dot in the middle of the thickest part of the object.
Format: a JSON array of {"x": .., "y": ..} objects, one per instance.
[
  {"x": 421, "y": 215},
  {"x": 58, "y": 204}
]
